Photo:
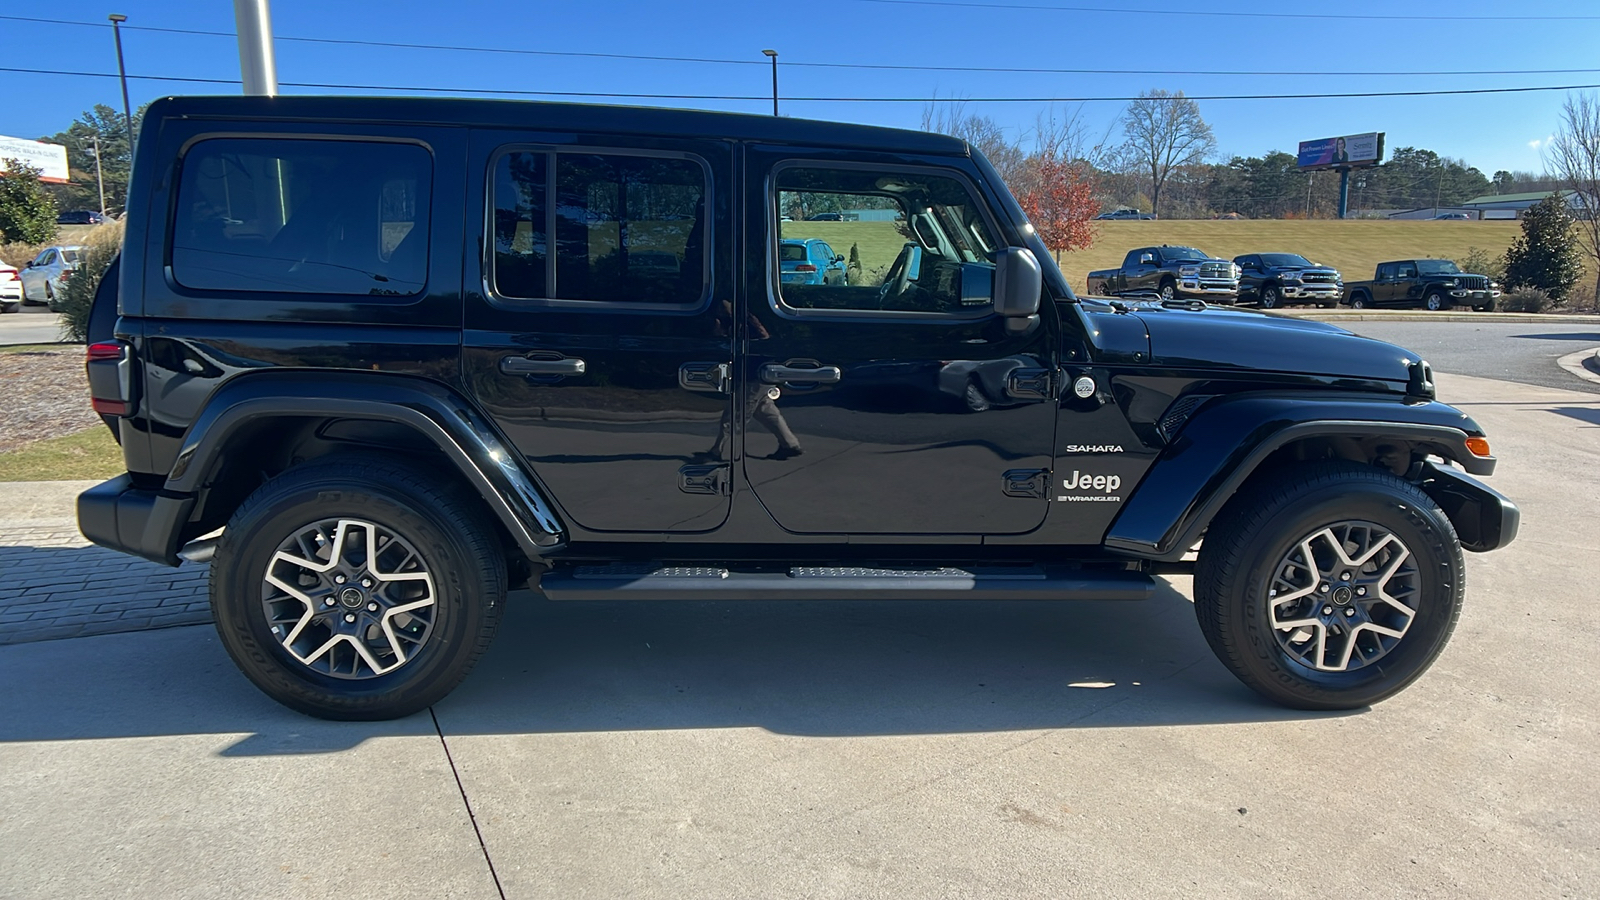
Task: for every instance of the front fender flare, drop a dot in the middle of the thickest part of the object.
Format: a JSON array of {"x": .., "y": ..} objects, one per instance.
[
  {"x": 1228, "y": 438},
  {"x": 447, "y": 420}
]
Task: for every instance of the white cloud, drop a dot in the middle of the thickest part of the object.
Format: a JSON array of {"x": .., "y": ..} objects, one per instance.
[{"x": 1535, "y": 143}]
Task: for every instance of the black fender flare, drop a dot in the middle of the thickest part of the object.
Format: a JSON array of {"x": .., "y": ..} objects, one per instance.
[
  {"x": 431, "y": 409},
  {"x": 1229, "y": 437}
]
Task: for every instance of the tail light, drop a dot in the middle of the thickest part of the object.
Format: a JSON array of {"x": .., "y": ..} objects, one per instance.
[
  {"x": 110, "y": 368},
  {"x": 805, "y": 267}
]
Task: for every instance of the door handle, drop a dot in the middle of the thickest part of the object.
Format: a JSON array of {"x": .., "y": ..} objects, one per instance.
[
  {"x": 773, "y": 373},
  {"x": 522, "y": 365}
]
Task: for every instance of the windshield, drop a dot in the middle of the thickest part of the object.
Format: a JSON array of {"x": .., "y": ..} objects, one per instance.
[
  {"x": 1284, "y": 259},
  {"x": 1182, "y": 253},
  {"x": 1437, "y": 267}
]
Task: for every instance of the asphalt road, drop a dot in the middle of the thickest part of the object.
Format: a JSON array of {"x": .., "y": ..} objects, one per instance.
[
  {"x": 30, "y": 325},
  {"x": 1516, "y": 352}
]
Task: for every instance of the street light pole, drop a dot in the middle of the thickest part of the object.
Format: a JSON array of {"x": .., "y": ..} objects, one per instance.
[
  {"x": 122, "y": 73},
  {"x": 773, "y": 55},
  {"x": 98, "y": 177}
]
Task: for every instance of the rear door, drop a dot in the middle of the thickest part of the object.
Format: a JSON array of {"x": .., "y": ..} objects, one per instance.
[
  {"x": 598, "y": 321},
  {"x": 896, "y": 403}
]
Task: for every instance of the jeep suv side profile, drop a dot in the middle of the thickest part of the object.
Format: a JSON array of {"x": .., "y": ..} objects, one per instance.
[{"x": 382, "y": 359}]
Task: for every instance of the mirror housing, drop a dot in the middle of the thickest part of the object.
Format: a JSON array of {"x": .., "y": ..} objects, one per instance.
[
  {"x": 1147, "y": 259},
  {"x": 1018, "y": 283}
]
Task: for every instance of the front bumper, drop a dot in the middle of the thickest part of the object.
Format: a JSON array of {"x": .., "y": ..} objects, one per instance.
[
  {"x": 1484, "y": 519},
  {"x": 148, "y": 524},
  {"x": 1313, "y": 291},
  {"x": 1475, "y": 296},
  {"x": 1208, "y": 287}
]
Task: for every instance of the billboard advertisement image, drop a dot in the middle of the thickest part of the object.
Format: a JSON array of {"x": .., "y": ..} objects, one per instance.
[
  {"x": 49, "y": 159},
  {"x": 1336, "y": 152}
]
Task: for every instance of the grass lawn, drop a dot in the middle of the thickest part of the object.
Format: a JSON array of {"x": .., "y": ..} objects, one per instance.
[
  {"x": 1353, "y": 246},
  {"x": 86, "y": 455}
]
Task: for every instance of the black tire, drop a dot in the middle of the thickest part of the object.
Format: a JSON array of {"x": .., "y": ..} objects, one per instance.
[
  {"x": 10, "y": 306},
  {"x": 453, "y": 543},
  {"x": 1247, "y": 548},
  {"x": 1169, "y": 290},
  {"x": 1359, "y": 301},
  {"x": 1435, "y": 302},
  {"x": 974, "y": 399},
  {"x": 1271, "y": 297}
]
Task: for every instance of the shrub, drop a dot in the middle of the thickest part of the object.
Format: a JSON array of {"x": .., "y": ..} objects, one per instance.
[
  {"x": 100, "y": 246},
  {"x": 1546, "y": 254},
  {"x": 1479, "y": 261},
  {"x": 27, "y": 211},
  {"x": 1525, "y": 299},
  {"x": 18, "y": 253}
]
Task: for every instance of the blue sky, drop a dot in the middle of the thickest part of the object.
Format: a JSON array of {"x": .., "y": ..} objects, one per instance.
[{"x": 1491, "y": 131}]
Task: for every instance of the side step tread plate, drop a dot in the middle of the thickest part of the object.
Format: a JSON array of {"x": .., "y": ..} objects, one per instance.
[{"x": 644, "y": 582}]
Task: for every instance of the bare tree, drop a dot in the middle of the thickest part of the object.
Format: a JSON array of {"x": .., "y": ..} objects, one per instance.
[
  {"x": 1574, "y": 157},
  {"x": 1165, "y": 132},
  {"x": 1006, "y": 155}
]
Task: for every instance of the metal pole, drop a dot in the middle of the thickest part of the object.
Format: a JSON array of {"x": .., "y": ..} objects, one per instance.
[
  {"x": 257, "y": 65},
  {"x": 773, "y": 55},
  {"x": 99, "y": 177},
  {"x": 122, "y": 73},
  {"x": 1344, "y": 192}
]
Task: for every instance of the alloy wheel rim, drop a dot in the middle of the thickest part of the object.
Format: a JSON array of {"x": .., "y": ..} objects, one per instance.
[
  {"x": 348, "y": 598},
  {"x": 1343, "y": 597}
]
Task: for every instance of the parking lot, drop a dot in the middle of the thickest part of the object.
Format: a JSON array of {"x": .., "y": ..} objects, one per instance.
[{"x": 843, "y": 749}]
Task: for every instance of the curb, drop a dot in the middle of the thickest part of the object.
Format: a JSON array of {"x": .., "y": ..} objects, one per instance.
[{"x": 1585, "y": 364}]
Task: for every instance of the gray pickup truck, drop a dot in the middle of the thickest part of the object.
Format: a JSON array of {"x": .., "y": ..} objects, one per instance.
[{"x": 1170, "y": 273}]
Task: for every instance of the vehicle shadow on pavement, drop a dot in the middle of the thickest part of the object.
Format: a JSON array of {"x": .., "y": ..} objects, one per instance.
[
  {"x": 817, "y": 668},
  {"x": 1561, "y": 336}
]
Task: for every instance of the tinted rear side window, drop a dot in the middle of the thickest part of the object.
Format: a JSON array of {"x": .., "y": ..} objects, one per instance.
[
  {"x": 627, "y": 229},
  {"x": 303, "y": 216}
]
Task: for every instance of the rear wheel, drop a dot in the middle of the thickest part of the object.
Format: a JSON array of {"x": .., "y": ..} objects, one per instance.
[
  {"x": 1333, "y": 586},
  {"x": 357, "y": 588},
  {"x": 9, "y": 306},
  {"x": 1359, "y": 301}
]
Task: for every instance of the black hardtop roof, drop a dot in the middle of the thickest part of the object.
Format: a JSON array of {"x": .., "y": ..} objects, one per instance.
[{"x": 574, "y": 117}]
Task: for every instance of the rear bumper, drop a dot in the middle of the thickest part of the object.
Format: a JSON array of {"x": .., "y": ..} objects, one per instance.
[
  {"x": 121, "y": 517},
  {"x": 1484, "y": 519}
]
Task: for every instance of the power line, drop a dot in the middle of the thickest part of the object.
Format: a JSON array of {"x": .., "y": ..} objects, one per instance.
[
  {"x": 968, "y": 4},
  {"x": 764, "y": 97},
  {"x": 1024, "y": 70}
]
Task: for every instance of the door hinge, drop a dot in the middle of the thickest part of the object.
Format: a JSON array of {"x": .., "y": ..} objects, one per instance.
[
  {"x": 1026, "y": 483},
  {"x": 704, "y": 376},
  {"x": 1031, "y": 384},
  {"x": 712, "y": 479}
]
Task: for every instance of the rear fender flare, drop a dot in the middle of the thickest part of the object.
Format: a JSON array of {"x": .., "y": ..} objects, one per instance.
[
  {"x": 440, "y": 415},
  {"x": 1228, "y": 439}
]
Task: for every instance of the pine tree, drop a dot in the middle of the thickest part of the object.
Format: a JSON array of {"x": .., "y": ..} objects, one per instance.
[{"x": 1546, "y": 255}]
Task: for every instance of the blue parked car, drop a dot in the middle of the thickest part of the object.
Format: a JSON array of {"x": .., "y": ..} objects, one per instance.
[{"x": 809, "y": 261}]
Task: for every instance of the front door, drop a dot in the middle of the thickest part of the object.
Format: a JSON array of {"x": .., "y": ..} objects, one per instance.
[
  {"x": 599, "y": 332},
  {"x": 894, "y": 401}
]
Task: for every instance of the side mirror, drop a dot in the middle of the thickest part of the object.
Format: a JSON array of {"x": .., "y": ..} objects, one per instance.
[
  {"x": 1146, "y": 259},
  {"x": 1018, "y": 282},
  {"x": 839, "y": 258}
]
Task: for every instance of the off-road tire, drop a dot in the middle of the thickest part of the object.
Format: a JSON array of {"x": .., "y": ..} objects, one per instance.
[
  {"x": 1169, "y": 290},
  {"x": 453, "y": 537},
  {"x": 1264, "y": 522},
  {"x": 1358, "y": 301},
  {"x": 1435, "y": 302}
]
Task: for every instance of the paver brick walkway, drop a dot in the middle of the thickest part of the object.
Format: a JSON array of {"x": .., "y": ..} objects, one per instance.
[{"x": 54, "y": 584}]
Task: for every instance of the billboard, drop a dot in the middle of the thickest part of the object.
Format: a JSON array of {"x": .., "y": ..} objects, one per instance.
[
  {"x": 1339, "y": 152},
  {"x": 49, "y": 159}
]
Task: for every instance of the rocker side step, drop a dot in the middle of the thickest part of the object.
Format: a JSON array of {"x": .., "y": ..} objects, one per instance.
[{"x": 650, "y": 582}]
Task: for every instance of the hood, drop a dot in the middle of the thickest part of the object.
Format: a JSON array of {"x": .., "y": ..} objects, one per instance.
[{"x": 1219, "y": 338}]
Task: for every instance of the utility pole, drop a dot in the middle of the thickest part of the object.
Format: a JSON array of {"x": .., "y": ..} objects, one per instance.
[
  {"x": 259, "y": 68},
  {"x": 773, "y": 55},
  {"x": 98, "y": 176},
  {"x": 122, "y": 73}
]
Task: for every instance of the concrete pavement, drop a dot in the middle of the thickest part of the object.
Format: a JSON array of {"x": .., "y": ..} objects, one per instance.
[
  {"x": 851, "y": 749},
  {"x": 30, "y": 325}
]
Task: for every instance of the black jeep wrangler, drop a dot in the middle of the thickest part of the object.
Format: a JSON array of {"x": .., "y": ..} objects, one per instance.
[{"x": 381, "y": 360}]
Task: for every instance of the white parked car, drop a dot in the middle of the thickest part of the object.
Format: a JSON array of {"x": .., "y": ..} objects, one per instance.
[
  {"x": 10, "y": 288},
  {"x": 41, "y": 278}
]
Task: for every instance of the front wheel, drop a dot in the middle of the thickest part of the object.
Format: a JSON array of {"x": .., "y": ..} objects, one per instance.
[
  {"x": 1331, "y": 586},
  {"x": 1169, "y": 291},
  {"x": 1435, "y": 301},
  {"x": 357, "y": 588},
  {"x": 1270, "y": 297}
]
